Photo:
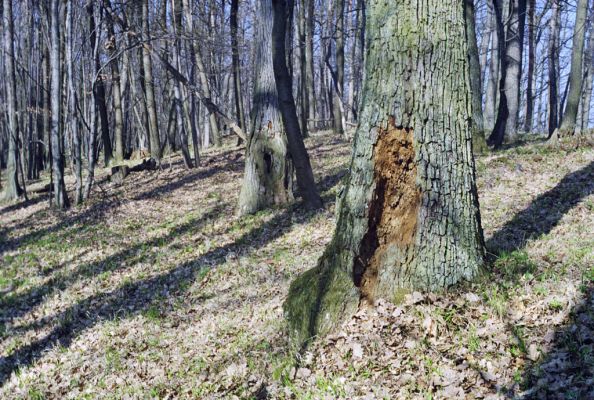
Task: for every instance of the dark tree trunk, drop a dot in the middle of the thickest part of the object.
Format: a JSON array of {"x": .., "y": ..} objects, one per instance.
[
  {"x": 305, "y": 179},
  {"x": 408, "y": 217}
]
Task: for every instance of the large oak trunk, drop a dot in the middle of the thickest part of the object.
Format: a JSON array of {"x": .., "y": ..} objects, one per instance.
[{"x": 408, "y": 217}]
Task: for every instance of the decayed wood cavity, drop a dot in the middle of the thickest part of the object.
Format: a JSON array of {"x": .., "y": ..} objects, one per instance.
[{"x": 394, "y": 206}]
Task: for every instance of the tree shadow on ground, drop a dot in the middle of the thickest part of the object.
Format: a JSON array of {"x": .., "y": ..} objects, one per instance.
[
  {"x": 567, "y": 370},
  {"x": 544, "y": 212},
  {"x": 99, "y": 209},
  {"x": 23, "y": 204},
  {"x": 135, "y": 297}
]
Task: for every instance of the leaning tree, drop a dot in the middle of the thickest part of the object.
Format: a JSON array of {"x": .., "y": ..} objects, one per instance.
[{"x": 409, "y": 215}]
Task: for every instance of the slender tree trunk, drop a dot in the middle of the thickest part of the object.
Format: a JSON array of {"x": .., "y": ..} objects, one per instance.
[
  {"x": 92, "y": 139},
  {"x": 151, "y": 105},
  {"x": 589, "y": 75},
  {"x": 177, "y": 89},
  {"x": 339, "y": 121},
  {"x": 492, "y": 95},
  {"x": 478, "y": 132},
  {"x": 408, "y": 218},
  {"x": 305, "y": 179},
  {"x": 239, "y": 109},
  {"x": 13, "y": 189},
  {"x": 268, "y": 176},
  {"x": 204, "y": 83},
  {"x": 59, "y": 188},
  {"x": 46, "y": 107},
  {"x": 575, "y": 74},
  {"x": 72, "y": 100},
  {"x": 554, "y": 31},
  {"x": 303, "y": 88},
  {"x": 112, "y": 48},
  {"x": 101, "y": 101},
  {"x": 309, "y": 60},
  {"x": 531, "y": 66}
]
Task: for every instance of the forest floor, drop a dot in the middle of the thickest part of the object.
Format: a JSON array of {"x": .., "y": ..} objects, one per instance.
[{"x": 155, "y": 289}]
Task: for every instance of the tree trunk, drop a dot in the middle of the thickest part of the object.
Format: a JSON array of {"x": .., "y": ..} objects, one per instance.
[
  {"x": 408, "y": 217},
  {"x": 268, "y": 176},
  {"x": 305, "y": 179},
  {"x": 101, "y": 102},
  {"x": 575, "y": 74},
  {"x": 59, "y": 188},
  {"x": 303, "y": 88},
  {"x": 309, "y": 61},
  {"x": 239, "y": 110},
  {"x": 338, "y": 76},
  {"x": 177, "y": 89},
  {"x": 112, "y": 48},
  {"x": 151, "y": 105},
  {"x": 478, "y": 132},
  {"x": 555, "y": 29},
  {"x": 531, "y": 66},
  {"x": 492, "y": 95},
  {"x": 72, "y": 100},
  {"x": 92, "y": 140},
  {"x": 589, "y": 75},
  {"x": 13, "y": 189},
  {"x": 506, "y": 123}
]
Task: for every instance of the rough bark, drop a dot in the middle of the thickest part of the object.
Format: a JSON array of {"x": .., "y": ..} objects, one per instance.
[
  {"x": 60, "y": 199},
  {"x": 268, "y": 176},
  {"x": 575, "y": 74},
  {"x": 408, "y": 216},
  {"x": 303, "y": 171},
  {"x": 12, "y": 190}
]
